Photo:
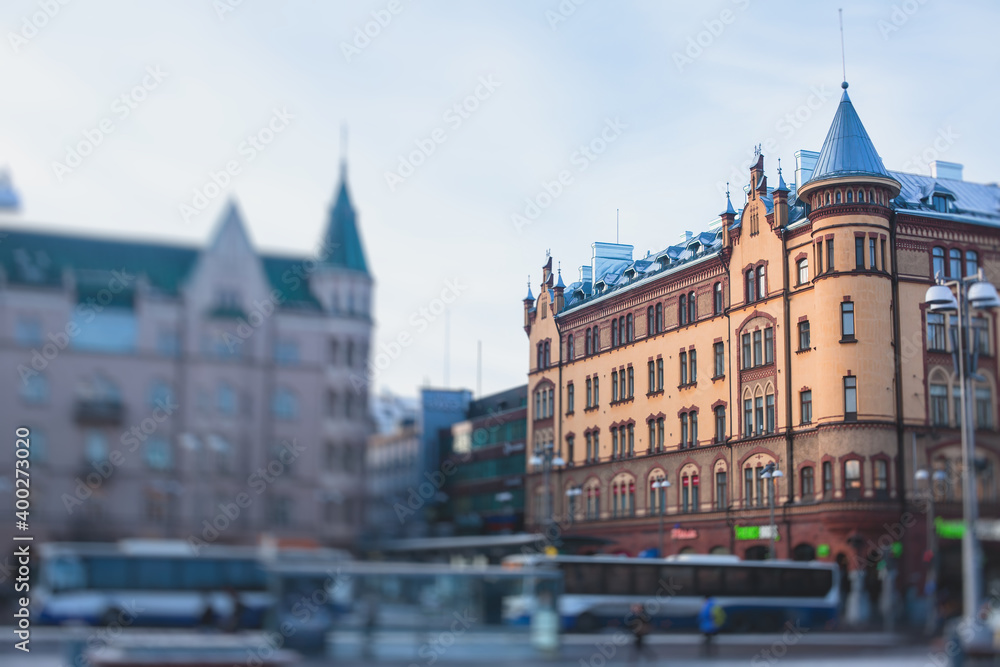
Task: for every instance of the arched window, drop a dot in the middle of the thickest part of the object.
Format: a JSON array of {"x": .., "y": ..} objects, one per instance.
[
  {"x": 850, "y": 196},
  {"x": 597, "y": 340},
  {"x": 650, "y": 329},
  {"x": 954, "y": 263},
  {"x": 628, "y": 328},
  {"x": 861, "y": 195},
  {"x": 827, "y": 198},
  {"x": 689, "y": 489},
  {"x": 614, "y": 333},
  {"x": 717, "y": 299},
  {"x": 761, "y": 282},
  {"x": 692, "y": 311},
  {"x": 659, "y": 317},
  {"x": 937, "y": 255},
  {"x": 836, "y": 197},
  {"x": 803, "y": 270},
  {"x": 570, "y": 350},
  {"x": 587, "y": 346},
  {"x": 751, "y": 286},
  {"x": 808, "y": 483},
  {"x": 971, "y": 263},
  {"x": 871, "y": 196},
  {"x": 682, "y": 311}
]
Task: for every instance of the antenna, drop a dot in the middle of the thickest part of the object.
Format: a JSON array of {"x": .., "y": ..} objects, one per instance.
[{"x": 843, "y": 57}]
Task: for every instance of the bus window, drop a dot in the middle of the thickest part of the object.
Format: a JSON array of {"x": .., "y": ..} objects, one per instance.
[
  {"x": 709, "y": 580},
  {"x": 679, "y": 579},
  {"x": 618, "y": 579},
  {"x": 156, "y": 573},
  {"x": 817, "y": 583},
  {"x": 646, "y": 580},
  {"x": 242, "y": 574},
  {"x": 199, "y": 573},
  {"x": 64, "y": 574},
  {"x": 795, "y": 583},
  {"x": 108, "y": 572},
  {"x": 583, "y": 578},
  {"x": 768, "y": 581},
  {"x": 740, "y": 580}
]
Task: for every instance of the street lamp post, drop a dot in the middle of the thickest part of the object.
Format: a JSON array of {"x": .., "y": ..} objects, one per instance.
[
  {"x": 973, "y": 293},
  {"x": 661, "y": 485},
  {"x": 930, "y": 587},
  {"x": 572, "y": 494},
  {"x": 546, "y": 457},
  {"x": 770, "y": 473}
]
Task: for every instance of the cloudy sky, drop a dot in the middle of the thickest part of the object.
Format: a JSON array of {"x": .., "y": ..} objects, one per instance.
[{"x": 681, "y": 93}]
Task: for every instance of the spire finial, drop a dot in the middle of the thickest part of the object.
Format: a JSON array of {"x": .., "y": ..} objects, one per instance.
[
  {"x": 343, "y": 148},
  {"x": 779, "y": 166},
  {"x": 843, "y": 57},
  {"x": 727, "y": 189}
]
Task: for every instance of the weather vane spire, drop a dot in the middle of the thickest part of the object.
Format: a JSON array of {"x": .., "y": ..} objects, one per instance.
[{"x": 843, "y": 56}]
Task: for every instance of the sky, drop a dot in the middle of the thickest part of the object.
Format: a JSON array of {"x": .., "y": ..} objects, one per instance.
[{"x": 462, "y": 114}]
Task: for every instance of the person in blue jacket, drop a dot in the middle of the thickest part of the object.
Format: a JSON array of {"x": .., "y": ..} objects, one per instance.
[{"x": 710, "y": 621}]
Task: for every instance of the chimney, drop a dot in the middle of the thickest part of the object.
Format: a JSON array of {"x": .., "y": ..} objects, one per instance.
[
  {"x": 587, "y": 278},
  {"x": 805, "y": 163},
  {"x": 608, "y": 257},
  {"x": 942, "y": 169}
]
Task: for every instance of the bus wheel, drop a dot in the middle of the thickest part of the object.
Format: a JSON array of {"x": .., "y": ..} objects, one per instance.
[{"x": 586, "y": 622}]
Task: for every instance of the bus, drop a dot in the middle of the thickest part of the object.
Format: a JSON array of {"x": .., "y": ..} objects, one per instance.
[
  {"x": 164, "y": 583},
  {"x": 757, "y": 596}
]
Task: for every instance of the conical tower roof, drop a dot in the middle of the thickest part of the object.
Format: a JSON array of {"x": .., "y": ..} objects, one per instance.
[
  {"x": 343, "y": 245},
  {"x": 847, "y": 150}
]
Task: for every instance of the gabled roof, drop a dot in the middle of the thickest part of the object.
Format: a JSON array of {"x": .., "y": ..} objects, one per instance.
[
  {"x": 847, "y": 150},
  {"x": 343, "y": 240}
]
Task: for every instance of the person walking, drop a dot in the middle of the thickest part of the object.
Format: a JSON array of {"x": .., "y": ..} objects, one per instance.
[
  {"x": 639, "y": 625},
  {"x": 710, "y": 621}
]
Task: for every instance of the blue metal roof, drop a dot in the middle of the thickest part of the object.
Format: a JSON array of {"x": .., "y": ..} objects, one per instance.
[{"x": 847, "y": 150}]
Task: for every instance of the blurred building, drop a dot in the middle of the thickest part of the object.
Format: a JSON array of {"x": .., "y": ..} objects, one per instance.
[
  {"x": 213, "y": 392},
  {"x": 405, "y": 475},
  {"x": 792, "y": 332},
  {"x": 486, "y": 491}
]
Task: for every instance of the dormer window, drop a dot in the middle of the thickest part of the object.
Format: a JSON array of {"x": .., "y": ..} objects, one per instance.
[{"x": 941, "y": 203}]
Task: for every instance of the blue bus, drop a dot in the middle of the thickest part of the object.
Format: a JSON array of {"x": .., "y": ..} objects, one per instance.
[{"x": 758, "y": 596}]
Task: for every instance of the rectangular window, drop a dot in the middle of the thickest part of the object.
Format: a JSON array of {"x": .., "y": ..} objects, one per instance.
[
  {"x": 859, "y": 253},
  {"x": 652, "y": 436},
  {"x": 747, "y": 361},
  {"x": 984, "y": 411},
  {"x": 807, "y": 483},
  {"x": 939, "y": 404},
  {"x": 804, "y": 343},
  {"x": 721, "y": 492},
  {"x": 852, "y": 479},
  {"x": 660, "y": 428},
  {"x": 631, "y": 439},
  {"x": 590, "y": 448},
  {"x": 614, "y": 386},
  {"x": 829, "y": 254},
  {"x": 590, "y": 392},
  {"x": 819, "y": 258},
  {"x": 847, "y": 320},
  {"x": 936, "y": 338},
  {"x": 720, "y": 424},
  {"x": 748, "y": 487},
  {"x": 881, "y": 479},
  {"x": 631, "y": 382},
  {"x": 981, "y": 331},
  {"x": 806, "y": 401},
  {"x": 757, "y": 348},
  {"x": 597, "y": 392},
  {"x": 614, "y": 443},
  {"x": 827, "y": 479},
  {"x": 684, "y": 429},
  {"x": 747, "y": 418},
  {"x": 694, "y": 429},
  {"x": 758, "y": 404},
  {"x": 684, "y": 368},
  {"x": 769, "y": 345},
  {"x": 761, "y": 498},
  {"x": 850, "y": 397},
  {"x": 570, "y": 396},
  {"x": 884, "y": 266},
  {"x": 693, "y": 361},
  {"x": 652, "y": 378},
  {"x": 871, "y": 254},
  {"x": 659, "y": 374},
  {"x": 770, "y": 413},
  {"x": 720, "y": 359}
]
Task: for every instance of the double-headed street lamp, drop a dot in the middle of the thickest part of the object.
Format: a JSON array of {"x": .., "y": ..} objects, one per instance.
[
  {"x": 930, "y": 587},
  {"x": 770, "y": 473},
  {"x": 971, "y": 293},
  {"x": 546, "y": 457},
  {"x": 660, "y": 486}
]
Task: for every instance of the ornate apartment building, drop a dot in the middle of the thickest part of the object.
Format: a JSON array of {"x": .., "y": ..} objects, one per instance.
[
  {"x": 793, "y": 333},
  {"x": 164, "y": 386}
]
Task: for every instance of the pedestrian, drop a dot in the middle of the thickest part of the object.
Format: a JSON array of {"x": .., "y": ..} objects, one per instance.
[
  {"x": 236, "y": 616},
  {"x": 207, "y": 620},
  {"x": 371, "y": 623},
  {"x": 639, "y": 625},
  {"x": 710, "y": 621}
]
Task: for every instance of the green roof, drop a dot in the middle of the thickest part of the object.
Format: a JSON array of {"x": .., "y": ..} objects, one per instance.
[
  {"x": 343, "y": 240},
  {"x": 37, "y": 258}
]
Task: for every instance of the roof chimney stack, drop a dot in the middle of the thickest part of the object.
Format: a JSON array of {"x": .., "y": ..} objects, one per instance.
[{"x": 942, "y": 169}]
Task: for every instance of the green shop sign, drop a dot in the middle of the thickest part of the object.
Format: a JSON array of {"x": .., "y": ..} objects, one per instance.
[
  {"x": 949, "y": 529},
  {"x": 755, "y": 533}
]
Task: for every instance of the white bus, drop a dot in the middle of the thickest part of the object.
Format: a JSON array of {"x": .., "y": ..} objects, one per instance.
[
  {"x": 152, "y": 583},
  {"x": 757, "y": 596}
]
